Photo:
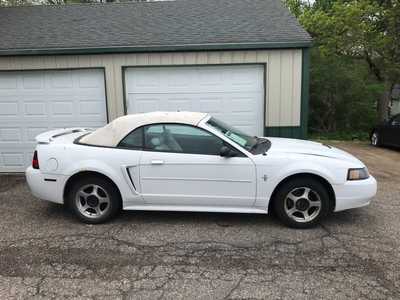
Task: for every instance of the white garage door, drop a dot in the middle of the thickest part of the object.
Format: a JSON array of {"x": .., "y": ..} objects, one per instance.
[
  {"x": 35, "y": 101},
  {"x": 235, "y": 94}
]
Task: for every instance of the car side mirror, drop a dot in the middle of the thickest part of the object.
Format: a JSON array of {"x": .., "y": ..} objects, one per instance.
[{"x": 227, "y": 152}]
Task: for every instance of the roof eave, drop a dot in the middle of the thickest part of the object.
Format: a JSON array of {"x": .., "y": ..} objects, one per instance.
[{"x": 160, "y": 48}]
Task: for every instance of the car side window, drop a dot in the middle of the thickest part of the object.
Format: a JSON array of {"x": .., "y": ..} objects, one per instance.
[
  {"x": 396, "y": 121},
  {"x": 181, "y": 139},
  {"x": 133, "y": 140}
]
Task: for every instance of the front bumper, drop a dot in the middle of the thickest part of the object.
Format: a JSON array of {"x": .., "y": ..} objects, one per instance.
[
  {"x": 355, "y": 193},
  {"x": 45, "y": 187}
]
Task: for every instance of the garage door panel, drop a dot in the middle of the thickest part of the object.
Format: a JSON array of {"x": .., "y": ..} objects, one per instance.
[
  {"x": 33, "y": 81},
  {"x": 7, "y": 82},
  {"x": 35, "y": 109},
  {"x": 233, "y": 93},
  {"x": 140, "y": 104},
  {"x": 60, "y": 108},
  {"x": 32, "y": 132},
  {"x": 61, "y": 80},
  {"x": 11, "y": 134},
  {"x": 211, "y": 105},
  {"x": 39, "y": 101},
  {"x": 13, "y": 159},
  {"x": 195, "y": 79},
  {"x": 244, "y": 103},
  {"x": 182, "y": 105},
  {"x": 92, "y": 109},
  {"x": 8, "y": 108},
  {"x": 91, "y": 78}
]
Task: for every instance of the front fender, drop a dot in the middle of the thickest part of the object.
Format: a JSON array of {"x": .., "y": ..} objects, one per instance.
[
  {"x": 316, "y": 169},
  {"x": 333, "y": 176}
]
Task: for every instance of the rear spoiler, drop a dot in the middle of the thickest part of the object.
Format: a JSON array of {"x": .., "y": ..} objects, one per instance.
[{"x": 48, "y": 136}]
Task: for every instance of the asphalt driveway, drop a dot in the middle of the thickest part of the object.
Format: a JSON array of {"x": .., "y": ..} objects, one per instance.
[{"x": 46, "y": 253}]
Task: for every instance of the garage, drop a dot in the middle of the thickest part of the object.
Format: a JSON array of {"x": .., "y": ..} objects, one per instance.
[
  {"x": 245, "y": 62},
  {"x": 35, "y": 101},
  {"x": 233, "y": 93}
]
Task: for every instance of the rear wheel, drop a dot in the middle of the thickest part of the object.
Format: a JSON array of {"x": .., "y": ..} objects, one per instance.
[
  {"x": 301, "y": 203},
  {"x": 375, "y": 139},
  {"x": 94, "y": 199}
]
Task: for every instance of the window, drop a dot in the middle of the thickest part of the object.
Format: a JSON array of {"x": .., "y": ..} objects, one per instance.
[
  {"x": 134, "y": 140},
  {"x": 235, "y": 135},
  {"x": 181, "y": 139},
  {"x": 253, "y": 144},
  {"x": 396, "y": 120}
]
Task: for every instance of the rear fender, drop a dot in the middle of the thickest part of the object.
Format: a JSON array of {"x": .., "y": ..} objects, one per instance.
[{"x": 118, "y": 178}]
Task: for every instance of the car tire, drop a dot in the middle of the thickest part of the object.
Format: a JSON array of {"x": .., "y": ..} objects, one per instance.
[
  {"x": 375, "y": 139},
  {"x": 301, "y": 202},
  {"x": 94, "y": 199}
]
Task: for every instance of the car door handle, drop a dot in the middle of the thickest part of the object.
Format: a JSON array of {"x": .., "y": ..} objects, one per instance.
[{"x": 157, "y": 162}]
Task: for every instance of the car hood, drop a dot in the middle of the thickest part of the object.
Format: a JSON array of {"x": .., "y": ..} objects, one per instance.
[{"x": 302, "y": 147}]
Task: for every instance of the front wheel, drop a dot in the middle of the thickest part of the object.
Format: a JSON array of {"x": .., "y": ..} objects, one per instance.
[
  {"x": 94, "y": 199},
  {"x": 301, "y": 203},
  {"x": 375, "y": 139}
]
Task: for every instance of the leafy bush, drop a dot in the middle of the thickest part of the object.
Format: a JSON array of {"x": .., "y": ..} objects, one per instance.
[
  {"x": 342, "y": 95},
  {"x": 355, "y": 62}
]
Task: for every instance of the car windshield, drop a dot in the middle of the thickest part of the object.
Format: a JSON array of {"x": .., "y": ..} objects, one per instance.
[{"x": 242, "y": 139}]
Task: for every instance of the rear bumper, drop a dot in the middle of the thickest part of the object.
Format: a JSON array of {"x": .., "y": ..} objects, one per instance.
[
  {"x": 45, "y": 187},
  {"x": 355, "y": 193}
]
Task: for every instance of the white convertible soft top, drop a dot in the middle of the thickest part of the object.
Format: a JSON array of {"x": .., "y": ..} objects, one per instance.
[{"x": 111, "y": 134}]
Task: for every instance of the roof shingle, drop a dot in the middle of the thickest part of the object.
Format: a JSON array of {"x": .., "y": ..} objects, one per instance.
[{"x": 149, "y": 26}]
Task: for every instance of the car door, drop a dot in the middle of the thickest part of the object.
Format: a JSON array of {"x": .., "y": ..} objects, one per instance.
[
  {"x": 392, "y": 135},
  {"x": 181, "y": 165}
]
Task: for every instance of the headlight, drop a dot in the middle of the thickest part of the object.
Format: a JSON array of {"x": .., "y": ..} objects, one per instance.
[{"x": 357, "y": 174}]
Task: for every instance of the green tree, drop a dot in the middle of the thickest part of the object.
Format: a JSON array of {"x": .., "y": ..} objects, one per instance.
[
  {"x": 342, "y": 94},
  {"x": 367, "y": 30},
  {"x": 354, "y": 60}
]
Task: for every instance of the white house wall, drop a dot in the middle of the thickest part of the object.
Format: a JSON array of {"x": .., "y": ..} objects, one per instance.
[{"x": 282, "y": 80}]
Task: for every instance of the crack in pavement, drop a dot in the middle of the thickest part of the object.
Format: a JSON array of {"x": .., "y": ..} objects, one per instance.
[{"x": 45, "y": 253}]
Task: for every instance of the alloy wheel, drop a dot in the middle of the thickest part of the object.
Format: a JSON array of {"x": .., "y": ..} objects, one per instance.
[
  {"x": 374, "y": 139},
  {"x": 302, "y": 204},
  {"x": 92, "y": 201}
]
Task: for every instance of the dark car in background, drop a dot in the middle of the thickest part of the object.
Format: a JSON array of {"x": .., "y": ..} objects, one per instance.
[{"x": 387, "y": 133}]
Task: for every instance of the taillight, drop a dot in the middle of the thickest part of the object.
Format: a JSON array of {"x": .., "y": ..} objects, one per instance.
[{"x": 35, "y": 161}]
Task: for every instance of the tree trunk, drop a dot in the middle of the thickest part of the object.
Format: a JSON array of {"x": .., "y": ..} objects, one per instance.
[{"x": 383, "y": 103}]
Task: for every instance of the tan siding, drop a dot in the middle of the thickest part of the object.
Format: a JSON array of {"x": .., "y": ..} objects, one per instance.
[
  {"x": 226, "y": 57},
  {"x": 110, "y": 89},
  {"x": 213, "y": 58},
  {"x": 189, "y": 58},
  {"x": 250, "y": 56},
  {"x": 274, "y": 89},
  {"x": 296, "y": 90},
  {"x": 118, "y": 62},
  {"x": 155, "y": 59},
  {"x": 285, "y": 112},
  {"x": 201, "y": 58},
  {"x": 282, "y": 78},
  {"x": 166, "y": 59}
]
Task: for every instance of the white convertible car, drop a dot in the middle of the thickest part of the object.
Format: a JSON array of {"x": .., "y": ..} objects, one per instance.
[{"x": 187, "y": 161}]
